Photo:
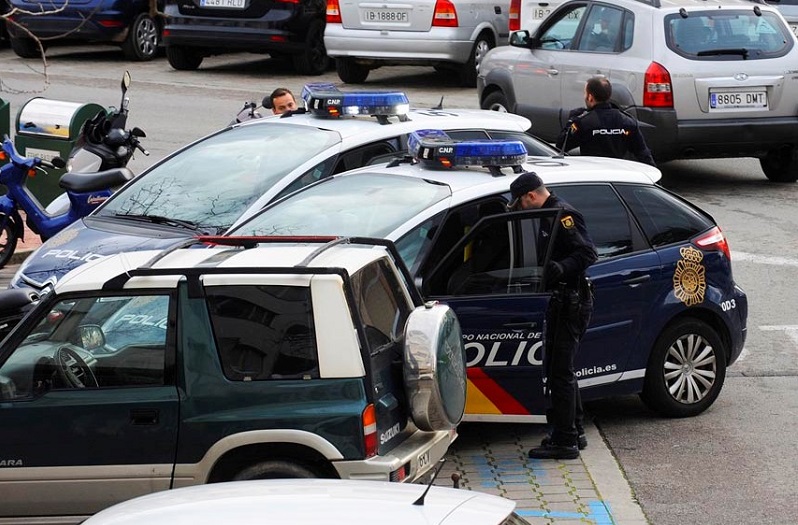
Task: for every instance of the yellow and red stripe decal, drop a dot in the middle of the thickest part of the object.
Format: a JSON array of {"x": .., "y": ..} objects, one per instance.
[{"x": 485, "y": 396}]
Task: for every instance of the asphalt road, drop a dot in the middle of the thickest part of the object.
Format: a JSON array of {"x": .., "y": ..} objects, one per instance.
[{"x": 733, "y": 464}]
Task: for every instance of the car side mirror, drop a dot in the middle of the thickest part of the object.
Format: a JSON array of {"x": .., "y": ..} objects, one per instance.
[
  {"x": 91, "y": 337},
  {"x": 521, "y": 39}
]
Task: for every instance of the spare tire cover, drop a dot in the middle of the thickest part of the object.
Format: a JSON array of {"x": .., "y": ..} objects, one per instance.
[{"x": 435, "y": 368}]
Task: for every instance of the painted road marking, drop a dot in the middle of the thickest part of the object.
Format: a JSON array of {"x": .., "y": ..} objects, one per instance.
[
  {"x": 764, "y": 259},
  {"x": 790, "y": 329}
]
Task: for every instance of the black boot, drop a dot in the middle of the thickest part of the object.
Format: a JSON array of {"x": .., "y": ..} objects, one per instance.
[
  {"x": 554, "y": 451},
  {"x": 581, "y": 441}
]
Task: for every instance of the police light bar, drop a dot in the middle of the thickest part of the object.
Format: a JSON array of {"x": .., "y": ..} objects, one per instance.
[
  {"x": 326, "y": 100},
  {"x": 435, "y": 148}
]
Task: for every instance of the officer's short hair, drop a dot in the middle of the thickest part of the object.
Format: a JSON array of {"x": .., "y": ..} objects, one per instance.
[
  {"x": 600, "y": 88},
  {"x": 279, "y": 92}
]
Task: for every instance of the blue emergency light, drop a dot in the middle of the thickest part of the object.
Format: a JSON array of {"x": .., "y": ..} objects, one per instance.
[
  {"x": 326, "y": 100},
  {"x": 434, "y": 148}
]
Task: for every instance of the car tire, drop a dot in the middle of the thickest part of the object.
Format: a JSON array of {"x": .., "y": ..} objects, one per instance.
[
  {"x": 275, "y": 469},
  {"x": 8, "y": 239},
  {"x": 183, "y": 58},
  {"x": 25, "y": 47},
  {"x": 313, "y": 60},
  {"x": 496, "y": 101},
  {"x": 142, "y": 39},
  {"x": 468, "y": 72},
  {"x": 350, "y": 71},
  {"x": 677, "y": 383},
  {"x": 780, "y": 165}
]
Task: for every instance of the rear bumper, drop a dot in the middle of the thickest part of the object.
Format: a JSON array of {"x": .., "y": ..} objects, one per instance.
[
  {"x": 73, "y": 26},
  {"x": 439, "y": 44},
  {"x": 220, "y": 41},
  {"x": 740, "y": 331},
  {"x": 670, "y": 138},
  {"x": 420, "y": 452}
]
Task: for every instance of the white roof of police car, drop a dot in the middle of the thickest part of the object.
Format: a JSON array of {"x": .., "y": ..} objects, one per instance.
[
  {"x": 308, "y": 501},
  {"x": 465, "y": 185},
  {"x": 93, "y": 275},
  {"x": 363, "y": 129}
]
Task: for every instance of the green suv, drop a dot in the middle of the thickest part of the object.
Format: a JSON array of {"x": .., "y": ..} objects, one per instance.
[{"x": 148, "y": 371}]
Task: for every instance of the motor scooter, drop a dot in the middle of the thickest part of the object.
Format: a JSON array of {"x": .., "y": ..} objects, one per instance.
[
  {"x": 251, "y": 111},
  {"x": 103, "y": 144},
  {"x": 85, "y": 191}
]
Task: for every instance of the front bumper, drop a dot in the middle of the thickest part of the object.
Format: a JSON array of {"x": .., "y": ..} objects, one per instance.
[
  {"x": 439, "y": 44},
  {"x": 418, "y": 454}
]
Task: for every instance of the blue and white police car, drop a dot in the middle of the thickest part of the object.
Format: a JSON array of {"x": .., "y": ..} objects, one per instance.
[
  {"x": 218, "y": 181},
  {"x": 668, "y": 319}
]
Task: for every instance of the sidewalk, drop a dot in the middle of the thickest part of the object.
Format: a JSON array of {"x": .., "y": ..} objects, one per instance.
[{"x": 492, "y": 458}]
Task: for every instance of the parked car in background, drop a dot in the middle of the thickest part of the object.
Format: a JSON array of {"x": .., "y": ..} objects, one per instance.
[
  {"x": 159, "y": 370},
  {"x": 128, "y": 23},
  {"x": 4, "y": 8},
  {"x": 703, "y": 81},
  {"x": 449, "y": 35},
  {"x": 282, "y": 28},
  {"x": 668, "y": 318},
  {"x": 528, "y": 14},
  {"x": 262, "y": 160},
  {"x": 788, "y": 9},
  {"x": 312, "y": 502}
]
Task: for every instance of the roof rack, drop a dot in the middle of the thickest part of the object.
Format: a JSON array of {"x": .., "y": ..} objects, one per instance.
[{"x": 248, "y": 242}]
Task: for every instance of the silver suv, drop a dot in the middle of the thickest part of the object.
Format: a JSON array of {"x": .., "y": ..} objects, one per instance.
[
  {"x": 704, "y": 81},
  {"x": 449, "y": 35}
]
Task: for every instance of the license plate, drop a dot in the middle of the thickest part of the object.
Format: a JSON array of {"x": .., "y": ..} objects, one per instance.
[
  {"x": 794, "y": 28},
  {"x": 230, "y": 4},
  {"x": 385, "y": 15},
  {"x": 738, "y": 100},
  {"x": 423, "y": 461},
  {"x": 540, "y": 14}
]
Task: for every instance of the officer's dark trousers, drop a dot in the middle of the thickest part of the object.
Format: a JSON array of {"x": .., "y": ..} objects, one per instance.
[{"x": 569, "y": 318}]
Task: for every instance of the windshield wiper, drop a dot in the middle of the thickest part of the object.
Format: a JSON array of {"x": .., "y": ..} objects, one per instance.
[
  {"x": 159, "y": 219},
  {"x": 716, "y": 52}
]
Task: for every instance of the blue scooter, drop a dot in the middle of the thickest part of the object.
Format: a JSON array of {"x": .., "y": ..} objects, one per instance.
[{"x": 86, "y": 191}]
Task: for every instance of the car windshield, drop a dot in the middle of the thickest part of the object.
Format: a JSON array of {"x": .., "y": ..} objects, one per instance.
[
  {"x": 214, "y": 181},
  {"x": 366, "y": 204}
]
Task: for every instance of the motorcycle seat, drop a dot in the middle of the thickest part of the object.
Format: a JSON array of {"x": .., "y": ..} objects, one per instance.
[{"x": 78, "y": 182}]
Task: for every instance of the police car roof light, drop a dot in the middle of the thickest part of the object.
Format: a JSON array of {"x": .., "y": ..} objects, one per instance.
[
  {"x": 326, "y": 100},
  {"x": 434, "y": 148}
]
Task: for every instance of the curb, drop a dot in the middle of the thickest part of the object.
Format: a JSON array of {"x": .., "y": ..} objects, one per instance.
[{"x": 19, "y": 256}]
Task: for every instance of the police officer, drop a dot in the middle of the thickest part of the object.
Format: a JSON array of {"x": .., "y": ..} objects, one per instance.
[
  {"x": 282, "y": 101},
  {"x": 602, "y": 130},
  {"x": 572, "y": 305}
]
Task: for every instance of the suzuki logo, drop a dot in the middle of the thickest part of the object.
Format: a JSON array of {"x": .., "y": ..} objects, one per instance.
[{"x": 741, "y": 77}]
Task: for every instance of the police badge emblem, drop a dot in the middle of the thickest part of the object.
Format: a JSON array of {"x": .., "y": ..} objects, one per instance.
[{"x": 689, "y": 279}]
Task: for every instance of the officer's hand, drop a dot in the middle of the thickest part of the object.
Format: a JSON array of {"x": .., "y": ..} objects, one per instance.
[{"x": 553, "y": 271}]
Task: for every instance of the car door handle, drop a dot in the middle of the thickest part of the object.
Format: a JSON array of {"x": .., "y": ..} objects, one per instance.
[
  {"x": 144, "y": 416},
  {"x": 553, "y": 72},
  {"x": 520, "y": 326},
  {"x": 637, "y": 279}
]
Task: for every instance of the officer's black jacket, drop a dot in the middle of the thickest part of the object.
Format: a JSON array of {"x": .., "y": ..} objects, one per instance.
[
  {"x": 573, "y": 248},
  {"x": 604, "y": 131}
]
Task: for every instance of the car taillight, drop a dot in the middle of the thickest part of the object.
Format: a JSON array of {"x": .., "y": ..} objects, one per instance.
[
  {"x": 369, "y": 418},
  {"x": 445, "y": 14},
  {"x": 515, "y": 15},
  {"x": 287, "y": 1},
  {"x": 657, "y": 87},
  {"x": 111, "y": 23},
  {"x": 333, "y": 12},
  {"x": 714, "y": 239}
]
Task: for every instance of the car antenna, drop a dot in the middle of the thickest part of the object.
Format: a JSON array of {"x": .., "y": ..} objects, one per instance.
[
  {"x": 420, "y": 500},
  {"x": 440, "y": 104}
]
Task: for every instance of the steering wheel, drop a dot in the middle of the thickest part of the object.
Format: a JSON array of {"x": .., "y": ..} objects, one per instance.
[{"x": 73, "y": 370}]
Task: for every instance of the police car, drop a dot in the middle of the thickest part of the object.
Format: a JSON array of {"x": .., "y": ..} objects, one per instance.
[
  {"x": 227, "y": 176},
  {"x": 668, "y": 318}
]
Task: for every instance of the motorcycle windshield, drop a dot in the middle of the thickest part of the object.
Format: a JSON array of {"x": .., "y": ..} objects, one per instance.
[{"x": 212, "y": 182}]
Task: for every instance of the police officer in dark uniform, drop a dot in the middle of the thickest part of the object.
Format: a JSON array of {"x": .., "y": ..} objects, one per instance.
[
  {"x": 569, "y": 313},
  {"x": 602, "y": 130}
]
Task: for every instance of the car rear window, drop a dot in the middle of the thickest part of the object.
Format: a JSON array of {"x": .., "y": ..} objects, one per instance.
[
  {"x": 664, "y": 217},
  {"x": 737, "y": 34}
]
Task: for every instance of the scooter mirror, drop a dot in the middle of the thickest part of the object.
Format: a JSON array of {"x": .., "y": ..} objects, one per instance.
[
  {"x": 125, "y": 81},
  {"x": 138, "y": 132}
]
